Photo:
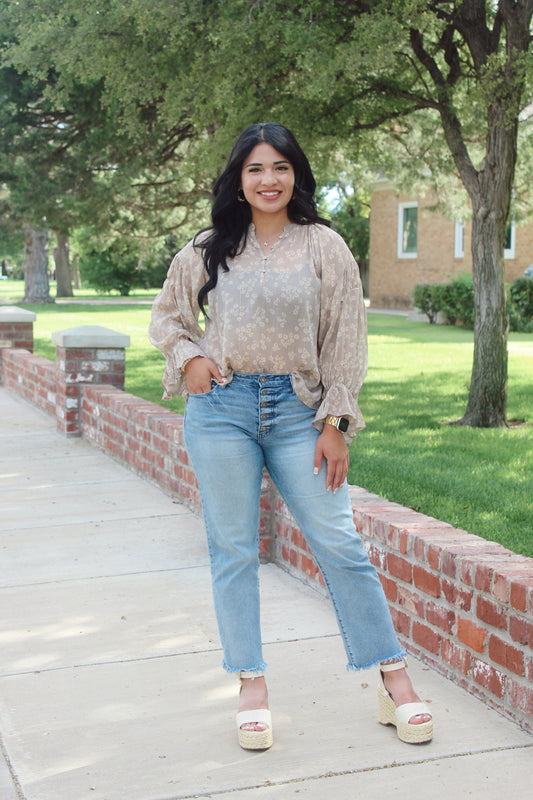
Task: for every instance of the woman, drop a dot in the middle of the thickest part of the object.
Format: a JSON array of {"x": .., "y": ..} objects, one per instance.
[{"x": 273, "y": 381}]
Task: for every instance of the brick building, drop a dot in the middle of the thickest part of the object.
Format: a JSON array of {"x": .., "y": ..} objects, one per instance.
[{"x": 410, "y": 244}]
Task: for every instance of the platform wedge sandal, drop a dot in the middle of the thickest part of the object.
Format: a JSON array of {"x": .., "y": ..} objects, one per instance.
[
  {"x": 399, "y": 716},
  {"x": 254, "y": 740}
]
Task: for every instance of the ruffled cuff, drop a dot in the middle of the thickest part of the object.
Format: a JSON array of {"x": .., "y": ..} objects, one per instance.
[
  {"x": 174, "y": 375},
  {"x": 339, "y": 402}
]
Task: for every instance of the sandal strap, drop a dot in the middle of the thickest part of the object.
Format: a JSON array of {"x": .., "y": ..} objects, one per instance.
[
  {"x": 255, "y": 715},
  {"x": 394, "y": 665},
  {"x": 251, "y": 674},
  {"x": 408, "y": 710}
]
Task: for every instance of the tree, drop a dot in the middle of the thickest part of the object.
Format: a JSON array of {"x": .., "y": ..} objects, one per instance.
[
  {"x": 359, "y": 66},
  {"x": 71, "y": 154},
  {"x": 181, "y": 78}
]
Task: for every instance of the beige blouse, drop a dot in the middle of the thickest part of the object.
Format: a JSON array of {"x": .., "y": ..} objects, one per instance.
[{"x": 298, "y": 309}]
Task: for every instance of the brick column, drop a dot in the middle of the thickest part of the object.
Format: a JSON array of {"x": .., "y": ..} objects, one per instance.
[
  {"x": 87, "y": 354},
  {"x": 16, "y": 329}
]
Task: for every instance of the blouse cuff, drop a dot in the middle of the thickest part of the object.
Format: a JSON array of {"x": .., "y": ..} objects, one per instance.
[
  {"x": 339, "y": 402},
  {"x": 174, "y": 377}
]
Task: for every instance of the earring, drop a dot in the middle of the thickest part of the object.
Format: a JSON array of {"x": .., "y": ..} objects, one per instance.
[{"x": 240, "y": 196}]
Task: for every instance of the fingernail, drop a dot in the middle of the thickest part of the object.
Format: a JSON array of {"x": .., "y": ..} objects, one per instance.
[{"x": 315, "y": 471}]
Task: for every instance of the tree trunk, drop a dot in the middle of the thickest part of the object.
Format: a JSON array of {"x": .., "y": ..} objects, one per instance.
[
  {"x": 364, "y": 271},
  {"x": 61, "y": 258},
  {"x": 487, "y": 401},
  {"x": 36, "y": 284},
  {"x": 75, "y": 272},
  {"x": 490, "y": 192}
]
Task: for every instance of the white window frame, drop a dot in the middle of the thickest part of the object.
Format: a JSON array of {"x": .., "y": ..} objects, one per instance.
[
  {"x": 459, "y": 240},
  {"x": 509, "y": 252},
  {"x": 401, "y": 251}
]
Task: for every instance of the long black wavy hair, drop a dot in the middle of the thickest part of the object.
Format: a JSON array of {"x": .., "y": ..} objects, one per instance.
[{"x": 231, "y": 217}]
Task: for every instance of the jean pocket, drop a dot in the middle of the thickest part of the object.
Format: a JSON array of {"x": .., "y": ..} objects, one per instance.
[
  {"x": 212, "y": 390},
  {"x": 291, "y": 378}
]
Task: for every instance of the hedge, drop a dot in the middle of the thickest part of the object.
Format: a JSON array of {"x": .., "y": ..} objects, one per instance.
[{"x": 456, "y": 301}]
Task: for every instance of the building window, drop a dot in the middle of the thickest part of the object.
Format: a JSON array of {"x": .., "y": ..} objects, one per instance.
[
  {"x": 509, "y": 241},
  {"x": 459, "y": 245},
  {"x": 407, "y": 230}
]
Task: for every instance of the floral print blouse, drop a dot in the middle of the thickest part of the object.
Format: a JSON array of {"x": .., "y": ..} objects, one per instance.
[{"x": 296, "y": 310}]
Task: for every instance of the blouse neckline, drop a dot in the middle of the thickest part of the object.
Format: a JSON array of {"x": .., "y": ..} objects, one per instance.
[{"x": 283, "y": 234}]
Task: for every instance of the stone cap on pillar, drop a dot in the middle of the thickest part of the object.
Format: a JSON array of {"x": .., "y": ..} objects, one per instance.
[
  {"x": 16, "y": 314},
  {"x": 88, "y": 336}
]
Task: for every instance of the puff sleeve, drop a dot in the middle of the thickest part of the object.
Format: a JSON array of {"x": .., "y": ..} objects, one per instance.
[
  {"x": 342, "y": 333},
  {"x": 174, "y": 327}
]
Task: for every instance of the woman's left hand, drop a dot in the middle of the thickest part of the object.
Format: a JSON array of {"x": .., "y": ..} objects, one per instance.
[{"x": 331, "y": 446}]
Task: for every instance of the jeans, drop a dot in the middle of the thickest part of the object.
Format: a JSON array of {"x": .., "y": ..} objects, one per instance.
[{"x": 231, "y": 433}]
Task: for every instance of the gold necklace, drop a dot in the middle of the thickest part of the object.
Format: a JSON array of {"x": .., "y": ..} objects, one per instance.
[{"x": 268, "y": 242}]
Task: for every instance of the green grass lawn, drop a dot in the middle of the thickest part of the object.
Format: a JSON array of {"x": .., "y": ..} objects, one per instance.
[{"x": 476, "y": 479}]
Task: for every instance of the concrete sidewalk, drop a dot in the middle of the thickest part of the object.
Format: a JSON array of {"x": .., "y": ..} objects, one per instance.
[{"x": 110, "y": 680}]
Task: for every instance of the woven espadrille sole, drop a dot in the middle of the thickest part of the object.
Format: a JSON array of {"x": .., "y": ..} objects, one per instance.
[
  {"x": 389, "y": 714},
  {"x": 255, "y": 740}
]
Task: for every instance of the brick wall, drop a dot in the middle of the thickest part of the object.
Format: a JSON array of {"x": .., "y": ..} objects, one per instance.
[
  {"x": 77, "y": 367},
  {"x": 462, "y": 604},
  {"x": 18, "y": 334},
  {"x": 33, "y": 377},
  {"x": 16, "y": 330}
]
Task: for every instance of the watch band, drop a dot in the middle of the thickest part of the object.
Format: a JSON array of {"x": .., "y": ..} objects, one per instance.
[{"x": 341, "y": 423}]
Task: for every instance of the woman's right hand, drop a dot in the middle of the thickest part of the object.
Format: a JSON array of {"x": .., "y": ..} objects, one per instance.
[{"x": 198, "y": 374}]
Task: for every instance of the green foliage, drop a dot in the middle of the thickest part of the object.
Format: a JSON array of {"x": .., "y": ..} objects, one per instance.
[
  {"x": 455, "y": 299},
  {"x": 458, "y": 300},
  {"x": 428, "y": 298},
  {"x": 350, "y": 218},
  {"x": 113, "y": 268},
  {"x": 121, "y": 264},
  {"x": 520, "y": 295},
  {"x": 87, "y": 132},
  {"x": 155, "y": 270}
]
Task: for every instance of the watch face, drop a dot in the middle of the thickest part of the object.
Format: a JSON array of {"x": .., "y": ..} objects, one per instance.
[{"x": 343, "y": 424}]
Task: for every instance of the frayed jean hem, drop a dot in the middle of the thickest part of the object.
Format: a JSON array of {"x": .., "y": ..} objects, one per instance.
[
  {"x": 395, "y": 657},
  {"x": 259, "y": 668}
]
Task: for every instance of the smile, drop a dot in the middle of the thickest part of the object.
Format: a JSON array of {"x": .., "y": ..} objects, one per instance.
[{"x": 270, "y": 194}]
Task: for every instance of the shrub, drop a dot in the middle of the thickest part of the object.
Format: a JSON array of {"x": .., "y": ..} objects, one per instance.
[
  {"x": 428, "y": 298},
  {"x": 520, "y": 294},
  {"x": 155, "y": 270},
  {"x": 458, "y": 300},
  {"x": 115, "y": 267}
]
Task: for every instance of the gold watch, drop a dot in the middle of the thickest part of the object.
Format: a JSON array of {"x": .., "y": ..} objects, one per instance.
[{"x": 341, "y": 423}]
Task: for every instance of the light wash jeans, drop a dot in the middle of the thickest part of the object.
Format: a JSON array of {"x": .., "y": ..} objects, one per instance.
[{"x": 231, "y": 433}]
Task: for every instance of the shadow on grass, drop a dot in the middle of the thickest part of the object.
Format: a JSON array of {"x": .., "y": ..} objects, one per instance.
[{"x": 477, "y": 479}]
